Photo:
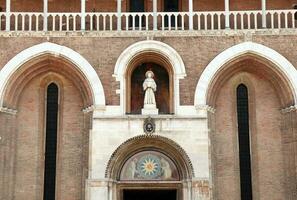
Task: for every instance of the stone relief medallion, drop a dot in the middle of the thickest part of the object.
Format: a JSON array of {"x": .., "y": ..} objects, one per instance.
[
  {"x": 149, "y": 126},
  {"x": 149, "y": 165}
]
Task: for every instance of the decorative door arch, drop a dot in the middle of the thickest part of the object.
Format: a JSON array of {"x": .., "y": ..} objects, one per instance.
[{"x": 150, "y": 163}]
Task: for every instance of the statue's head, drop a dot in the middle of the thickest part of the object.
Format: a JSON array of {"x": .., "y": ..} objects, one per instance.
[{"x": 149, "y": 74}]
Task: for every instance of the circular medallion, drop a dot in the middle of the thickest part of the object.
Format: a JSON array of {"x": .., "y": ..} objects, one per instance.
[
  {"x": 149, "y": 167},
  {"x": 149, "y": 126}
]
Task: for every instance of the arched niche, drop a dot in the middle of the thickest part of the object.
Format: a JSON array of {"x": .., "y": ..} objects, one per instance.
[
  {"x": 149, "y": 51},
  {"x": 163, "y": 76}
]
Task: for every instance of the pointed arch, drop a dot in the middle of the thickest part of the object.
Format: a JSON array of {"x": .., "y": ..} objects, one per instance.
[
  {"x": 210, "y": 72},
  {"x": 57, "y": 50}
]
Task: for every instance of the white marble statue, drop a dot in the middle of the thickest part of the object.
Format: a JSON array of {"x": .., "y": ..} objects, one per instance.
[{"x": 150, "y": 87}]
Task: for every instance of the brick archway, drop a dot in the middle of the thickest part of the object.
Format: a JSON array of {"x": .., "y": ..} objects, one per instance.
[
  {"x": 279, "y": 62},
  {"x": 81, "y": 64}
]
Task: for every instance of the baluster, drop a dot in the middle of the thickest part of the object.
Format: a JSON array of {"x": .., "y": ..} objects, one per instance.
[
  {"x": 242, "y": 21},
  {"x": 255, "y": 21},
  {"x": 60, "y": 22},
  {"x": 67, "y": 22},
  {"x": 16, "y": 16},
  {"x": 286, "y": 19},
  {"x": 110, "y": 22},
  {"x": 235, "y": 21},
  {"x": 163, "y": 22},
  {"x": 279, "y": 20},
  {"x": 133, "y": 22},
  {"x": 249, "y": 20},
  {"x": 219, "y": 21},
  {"x": 23, "y": 21},
  {"x": 97, "y": 22},
  {"x": 140, "y": 21},
  {"x": 205, "y": 22},
  {"x": 212, "y": 21},
  {"x": 104, "y": 22},
  {"x": 37, "y": 22},
  {"x": 183, "y": 21},
  {"x": 74, "y": 23},
  {"x": 146, "y": 22},
  {"x": 30, "y": 22},
  {"x": 127, "y": 22},
  {"x": 272, "y": 20},
  {"x": 175, "y": 17},
  {"x": 292, "y": 16},
  {"x": 199, "y": 22},
  {"x": 91, "y": 22},
  {"x": 169, "y": 22}
]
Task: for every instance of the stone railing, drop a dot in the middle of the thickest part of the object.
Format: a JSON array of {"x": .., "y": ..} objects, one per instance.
[{"x": 147, "y": 21}]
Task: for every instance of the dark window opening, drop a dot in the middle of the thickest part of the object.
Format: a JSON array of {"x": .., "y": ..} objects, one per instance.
[
  {"x": 137, "y": 6},
  {"x": 295, "y": 14},
  {"x": 162, "y": 94},
  {"x": 51, "y": 142},
  {"x": 149, "y": 194},
  {"x": 244, "y": 142},
  {"x": 171, "y": 6}
]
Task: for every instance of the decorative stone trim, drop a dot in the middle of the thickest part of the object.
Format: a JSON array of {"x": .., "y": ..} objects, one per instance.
[
  {"x": 124, "y": 146},
  {"x": 289, "y": 109},
  {"x": 88, "y": 109},
  {"x": 8, "y": 111},
  {"x": 206, "y": 108}
]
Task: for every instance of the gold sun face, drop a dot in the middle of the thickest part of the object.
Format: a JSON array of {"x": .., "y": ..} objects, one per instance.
[{"x": 149, "y": 167}]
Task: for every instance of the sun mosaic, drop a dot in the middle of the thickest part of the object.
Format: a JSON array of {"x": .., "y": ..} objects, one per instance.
[{"x": 149, "y": 166}]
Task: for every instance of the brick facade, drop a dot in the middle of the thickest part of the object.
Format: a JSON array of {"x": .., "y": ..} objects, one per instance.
[{"x": 88, "y": 137}]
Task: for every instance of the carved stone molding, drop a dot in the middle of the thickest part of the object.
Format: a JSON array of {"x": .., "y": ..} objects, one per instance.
[
  {"x": 289, "y": 109},
  {"x": 206, "y": 108},
  {"x": 138, "y": 142},
  {"x": 8, "y": 110},
  {"x": 88, "y": 109}
]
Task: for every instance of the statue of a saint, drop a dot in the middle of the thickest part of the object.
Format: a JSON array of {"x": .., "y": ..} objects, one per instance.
[{"x": 150, "y": 87}]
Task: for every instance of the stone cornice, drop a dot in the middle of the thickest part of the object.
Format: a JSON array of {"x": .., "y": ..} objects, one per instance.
[
  {"x": 289, "y": 109},
  {"x": 8, "y": 110}
]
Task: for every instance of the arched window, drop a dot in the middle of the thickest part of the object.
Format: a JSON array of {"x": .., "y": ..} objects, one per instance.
[
  {"x": 244, "y": 142},
  {"x": 52, "y": 99}
]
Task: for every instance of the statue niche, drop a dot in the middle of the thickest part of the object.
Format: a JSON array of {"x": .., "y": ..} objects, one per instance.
[{"x": 150, "y": 90}]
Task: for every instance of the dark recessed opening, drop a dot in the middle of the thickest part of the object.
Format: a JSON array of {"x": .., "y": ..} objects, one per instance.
[
  {"x": 149, "y": 195},
  {"x": 162, "y": 94},
  {"x": 244, "y": 142},
  {"x": 51, "y": 142},
  {"x": 295, "y": 15}
]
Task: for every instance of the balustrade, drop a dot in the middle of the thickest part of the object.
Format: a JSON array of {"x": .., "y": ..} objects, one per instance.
[{"x": 144, "y": 21}]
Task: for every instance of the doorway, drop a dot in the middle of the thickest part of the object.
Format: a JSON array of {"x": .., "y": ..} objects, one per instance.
[{"x": 149, "y": 194}]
